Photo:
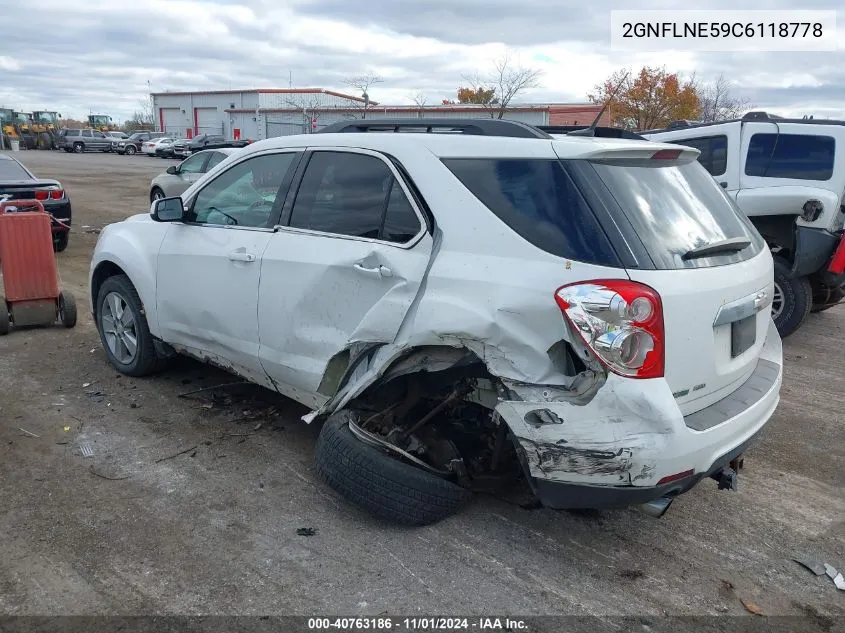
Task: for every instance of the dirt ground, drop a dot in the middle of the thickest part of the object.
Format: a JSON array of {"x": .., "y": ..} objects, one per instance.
[{"x": 135, "y": 528}]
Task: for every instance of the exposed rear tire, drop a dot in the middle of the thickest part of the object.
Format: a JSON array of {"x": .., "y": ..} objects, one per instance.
[
  {"x": 379, "y": 483},
  {"x": 793, "y": 299},
  {"x": 78, "y": 148}
]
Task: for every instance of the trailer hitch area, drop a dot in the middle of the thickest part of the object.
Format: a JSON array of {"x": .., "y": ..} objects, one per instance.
[{"x": 726, "y": 478}]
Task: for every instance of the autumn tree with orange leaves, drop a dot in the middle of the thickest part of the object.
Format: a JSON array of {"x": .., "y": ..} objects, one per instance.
[{"x": 648, "y": 99}]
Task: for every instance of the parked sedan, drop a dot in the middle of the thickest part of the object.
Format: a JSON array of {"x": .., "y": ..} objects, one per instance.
[
  {"x": 18, "y": 183},
  {"x": 186, "y": 147},
  {"x": 178, "y": 178},
  {"x": 149, "y": 147}
]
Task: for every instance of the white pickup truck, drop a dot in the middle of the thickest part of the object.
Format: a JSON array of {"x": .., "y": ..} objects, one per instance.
[{"x": 788, "y": 177}]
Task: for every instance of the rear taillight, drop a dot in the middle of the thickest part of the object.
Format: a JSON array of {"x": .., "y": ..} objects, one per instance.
[
  {"x": 57, "y": 194},
  {"x": 620, "y": 321},
  {"x": 666, "y": 154},
  {"x": 42, "y": 195}
]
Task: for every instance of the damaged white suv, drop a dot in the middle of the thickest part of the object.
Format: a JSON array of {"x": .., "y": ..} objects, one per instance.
[{"x": 588, "y": 314}]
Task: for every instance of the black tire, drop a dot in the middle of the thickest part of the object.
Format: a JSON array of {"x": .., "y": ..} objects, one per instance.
[
  {"x": 130, "y": 150},
  {"x": 67, "y": 309},
  {"x": 43, "y": 141},
  {"x": 154, "y": 193},
  {"x": 78, "y": 147},
  {"x": 60, "y": 241},
  {"x": 5, "y": 324},
  {"x": 832, "y": 298},
  {"x": 381, "y": 484},
  {"x": 797, "y": 299},
  {"x": 145, "y": 361}
]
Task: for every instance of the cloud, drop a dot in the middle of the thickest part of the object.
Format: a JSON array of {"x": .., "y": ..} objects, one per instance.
[{"x": 100, "y": 56}]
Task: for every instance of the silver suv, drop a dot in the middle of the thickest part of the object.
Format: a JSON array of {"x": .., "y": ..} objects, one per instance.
[{"x": 86, "y": 140}]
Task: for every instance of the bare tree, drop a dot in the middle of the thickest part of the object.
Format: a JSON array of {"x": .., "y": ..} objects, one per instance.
[
  {"x": 310, "y": 112},
  {"x": 510, "y": 78},
  {"x": 363, "y": 83},
  {"x": 719, "y": 103},
  {"x": 480, "y": 91},
  {"x": 419, "y": 99}
]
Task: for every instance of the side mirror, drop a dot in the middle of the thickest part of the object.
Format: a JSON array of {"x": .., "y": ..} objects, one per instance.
[
  {"x": 173, "y": 170},
  {"x": 167, "y": 210}
]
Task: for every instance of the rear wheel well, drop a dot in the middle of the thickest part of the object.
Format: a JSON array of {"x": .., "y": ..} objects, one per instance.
[
  {"x": 779, "y": 233},
  {"x": 103, "y": 271}
]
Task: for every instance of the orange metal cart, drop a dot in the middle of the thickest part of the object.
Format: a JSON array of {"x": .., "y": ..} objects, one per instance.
[{"x": 29, "y": 271}]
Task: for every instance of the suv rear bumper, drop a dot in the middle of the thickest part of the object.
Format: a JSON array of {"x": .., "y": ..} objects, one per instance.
[{"x": 615, "y": 450}]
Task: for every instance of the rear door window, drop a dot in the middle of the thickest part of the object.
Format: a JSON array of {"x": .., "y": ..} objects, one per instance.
[
  {"x": 539, "y": 201},
  {"x": 353, "y": 194},
  {"x": 798, "y": 156},
  {"x": 673, "y": 210}
]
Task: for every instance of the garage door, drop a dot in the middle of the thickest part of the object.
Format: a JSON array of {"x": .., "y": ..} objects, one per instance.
[
  {"x": 207, "y": 121},
  {"x": 172, "y": 121}
]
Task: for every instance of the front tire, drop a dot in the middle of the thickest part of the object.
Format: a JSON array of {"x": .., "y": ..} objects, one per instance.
[
  {"x": 123, "y": 328},
  {"x": 381, "y": 484},
  {"x": 130, "y": 150},
  {"x": 156, "y": 194},
  {"x": 793, "y": 299}
]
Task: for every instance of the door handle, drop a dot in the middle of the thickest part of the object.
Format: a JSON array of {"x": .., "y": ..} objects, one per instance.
[
  {"x": 376, "y": 271},
  {"x": 241, "y": 256}
]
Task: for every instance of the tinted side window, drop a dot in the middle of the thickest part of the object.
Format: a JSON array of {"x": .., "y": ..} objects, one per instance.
[
  {"x": 245, "y": 194},
  {"x": 802, "y": 156},
  {"x": 351, "y": 194},
  {"x": 714, "y": 152},
  {"x": 86, "y": 133},
  {"x": 539, "y": 201},
  {"x": 401, "y": 224}
]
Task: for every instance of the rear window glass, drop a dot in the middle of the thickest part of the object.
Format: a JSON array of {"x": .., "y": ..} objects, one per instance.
[
  {"x": 714, "y": 152},
  {"x": 801, "y": 156},
  {"x": 540, "y": 202},
  {"x": 11, "y": 170},
  {"x": 676, "y": 209}
]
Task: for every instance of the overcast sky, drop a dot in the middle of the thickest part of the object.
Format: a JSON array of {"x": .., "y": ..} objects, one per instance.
[{"x": 98, "y": 56}]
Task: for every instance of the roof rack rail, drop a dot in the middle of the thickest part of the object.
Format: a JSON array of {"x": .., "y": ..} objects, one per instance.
[
  {"x": 758, "y": 115},
  {"x": 604, "y": 132},
  {"x": 477, "y": 127}
]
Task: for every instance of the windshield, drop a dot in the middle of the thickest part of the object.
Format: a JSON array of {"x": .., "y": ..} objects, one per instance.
[
  {"x": 47, "y": 117},
  {"x": 673, "y": 210}
]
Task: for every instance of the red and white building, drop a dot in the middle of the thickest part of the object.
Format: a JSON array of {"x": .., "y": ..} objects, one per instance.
[{"x": 264, "y": 113}]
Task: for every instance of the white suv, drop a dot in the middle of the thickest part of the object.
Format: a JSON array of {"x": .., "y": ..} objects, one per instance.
[
  {"x": 788, "y": 176},
  {"x": 590, "y": 314}
]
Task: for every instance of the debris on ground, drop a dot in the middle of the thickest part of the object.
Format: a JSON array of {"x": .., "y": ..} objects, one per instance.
[
  {"x": 93, "y": 471},
  {"x": 187, "y": 450},
  {"x": 306, "y": 531},
  {"x": 96, "y": 396},
  {"x": 813, "y": 565},
  {"x": 835, "y": 576},
  {"x": 30, "y": 433},
  {"x": 751, "y": 607},
  {"x": 86, "y": 449},
  {"x": 632, "y": 574}
]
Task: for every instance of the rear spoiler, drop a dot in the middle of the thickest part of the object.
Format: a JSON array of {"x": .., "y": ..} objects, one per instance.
[{"x": 602, "y": 132}]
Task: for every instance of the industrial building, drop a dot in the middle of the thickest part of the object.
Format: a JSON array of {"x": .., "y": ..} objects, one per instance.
[{"x": 263, "y": 113}]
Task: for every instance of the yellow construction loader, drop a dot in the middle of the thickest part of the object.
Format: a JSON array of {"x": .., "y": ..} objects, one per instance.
[
  {"x": 45, "y": 126},
  {"x": 17, "y": 126},
  {"x": 102, "y": 122}
]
